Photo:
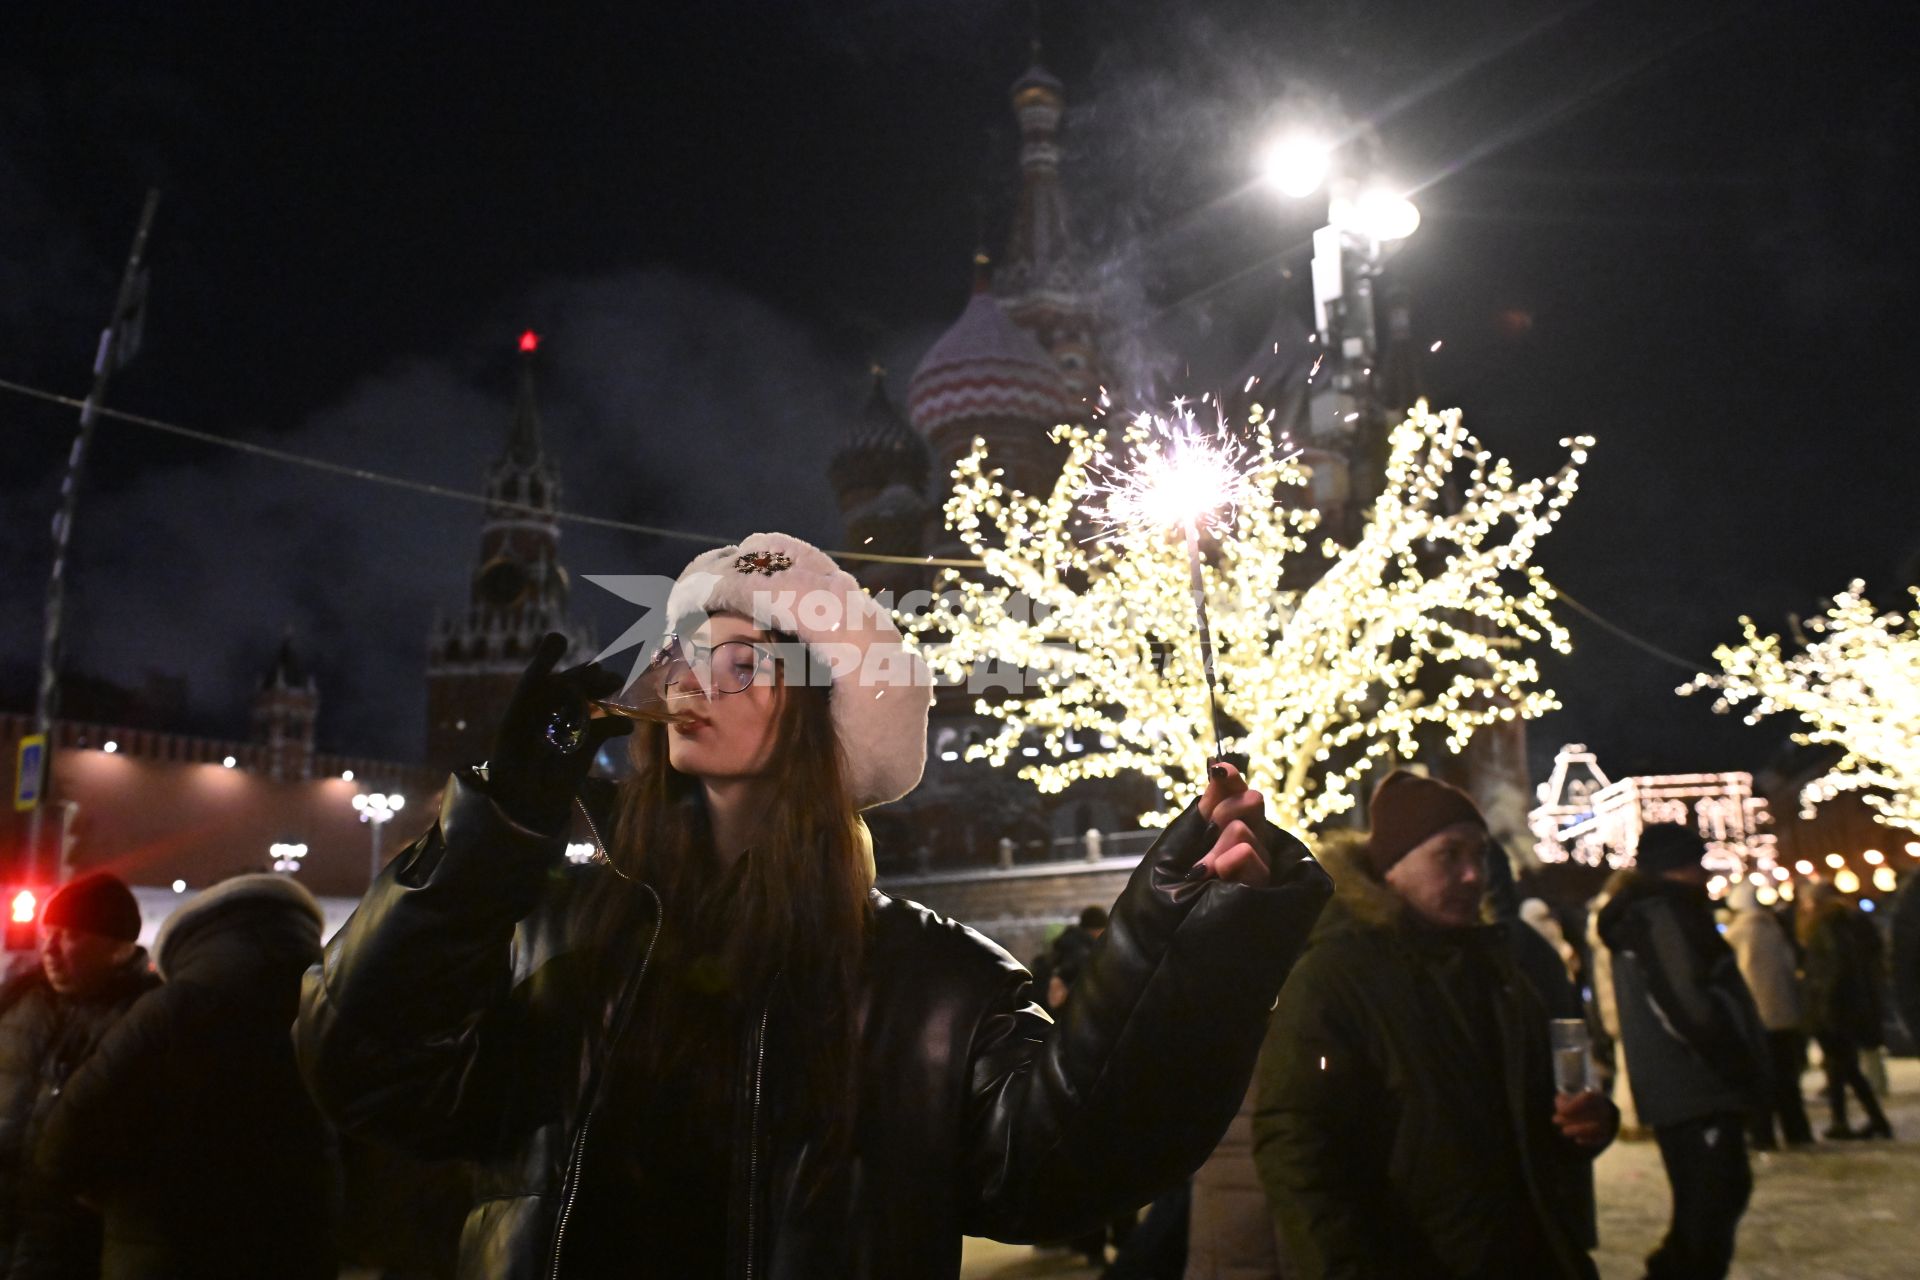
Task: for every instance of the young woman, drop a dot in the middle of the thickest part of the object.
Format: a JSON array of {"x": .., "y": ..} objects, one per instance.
[{"x": 718, "y": 1050}]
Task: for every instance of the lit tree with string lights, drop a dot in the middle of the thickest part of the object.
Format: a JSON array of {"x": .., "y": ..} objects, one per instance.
[
  {"x": 1855, "y": 683},
  {"x": 1416, "y": 631}
]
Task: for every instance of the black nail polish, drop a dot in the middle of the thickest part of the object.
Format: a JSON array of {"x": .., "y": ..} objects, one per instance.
[
  {"x": 1218, "y": 772},
  {"x": 1199, "y": 871}
]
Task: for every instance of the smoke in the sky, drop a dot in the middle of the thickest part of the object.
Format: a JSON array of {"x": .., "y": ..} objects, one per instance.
[{"x": 666, "y": 400}]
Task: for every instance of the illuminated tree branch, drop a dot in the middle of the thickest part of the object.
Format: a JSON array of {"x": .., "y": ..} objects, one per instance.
[
  {"x": 1856, "y": 685},
  {"x": 1416, "y": 629}
]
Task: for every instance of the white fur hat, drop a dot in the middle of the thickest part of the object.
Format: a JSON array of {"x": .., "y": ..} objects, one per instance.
[{"x": 882, "y": 687}]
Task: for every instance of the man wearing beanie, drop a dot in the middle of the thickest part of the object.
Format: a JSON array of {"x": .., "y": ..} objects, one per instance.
[
  {"x": 1696, "y": 1048},
  {"x": 51, "y": 1017},
  {"x": 1407, "y": 1122}
]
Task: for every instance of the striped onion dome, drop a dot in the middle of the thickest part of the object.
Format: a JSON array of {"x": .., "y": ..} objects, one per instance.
[{"x": 986, "y": 366}]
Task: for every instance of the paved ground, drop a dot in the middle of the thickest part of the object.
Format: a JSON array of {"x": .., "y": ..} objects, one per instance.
[
  {"x": 1843, "y": 1211},
  {"x": 1839, "y": 1212}
]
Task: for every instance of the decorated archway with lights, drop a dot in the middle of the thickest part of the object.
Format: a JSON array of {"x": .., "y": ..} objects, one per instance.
[{"x": 1584, "y": 817}]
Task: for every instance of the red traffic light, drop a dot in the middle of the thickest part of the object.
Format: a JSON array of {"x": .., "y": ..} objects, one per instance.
[{"x": 23, "y": 914}]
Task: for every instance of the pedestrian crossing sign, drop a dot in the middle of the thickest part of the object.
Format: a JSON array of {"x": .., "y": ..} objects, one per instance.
[{"x": 29, "y": 771}]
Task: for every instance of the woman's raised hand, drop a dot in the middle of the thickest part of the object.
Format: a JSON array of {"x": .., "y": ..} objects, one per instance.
[
  {"x": 1243, "y": 853},
  {"x": 549, "y": 736}
]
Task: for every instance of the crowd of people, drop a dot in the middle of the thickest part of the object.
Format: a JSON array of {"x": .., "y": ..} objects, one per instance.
[
  {"x": 717, "y": 1048},
  {"x": 153, "y": 1122},
  {"x": 1406, "y": 1118}
]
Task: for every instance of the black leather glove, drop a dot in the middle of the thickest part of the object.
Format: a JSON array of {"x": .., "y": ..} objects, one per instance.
[{"x": 547, "y": 740}]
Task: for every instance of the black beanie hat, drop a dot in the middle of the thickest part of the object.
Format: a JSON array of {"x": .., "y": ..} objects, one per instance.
[
  {"x": 97, "y": 902},
  {"x": 1668, "y": 846}
]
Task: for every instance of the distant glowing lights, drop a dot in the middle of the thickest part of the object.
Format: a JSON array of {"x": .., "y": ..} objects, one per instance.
[
  {"x": 376, "y": 807},
  {"x": 1845, "y": 881}
]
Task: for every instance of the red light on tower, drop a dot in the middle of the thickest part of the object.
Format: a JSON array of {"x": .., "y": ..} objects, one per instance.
[{"x": 529, "y": 341}]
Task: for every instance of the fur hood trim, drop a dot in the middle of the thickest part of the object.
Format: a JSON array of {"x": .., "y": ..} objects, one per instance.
[
  {"x": 1366, "y": 898},
  {"x": 265, "y": 889}
]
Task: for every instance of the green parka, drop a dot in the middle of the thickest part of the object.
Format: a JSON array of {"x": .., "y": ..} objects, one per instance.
[{"x": 1404, "y": 1121}]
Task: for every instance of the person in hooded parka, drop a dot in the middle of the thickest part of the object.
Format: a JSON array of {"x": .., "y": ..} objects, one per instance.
[{"x": 189, "y": 1127}]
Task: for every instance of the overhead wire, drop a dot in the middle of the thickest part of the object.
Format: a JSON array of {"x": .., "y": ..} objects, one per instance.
[
  {"x": 1621, "y": 633},
  {"x": 352, "y": 472}
]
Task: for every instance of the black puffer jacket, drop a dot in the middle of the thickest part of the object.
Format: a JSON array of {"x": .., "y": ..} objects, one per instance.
[
  {"x": 445, "y": 1019},
  {"x": 189, "y": 1126},
  {"x": 44, "y": 1037}
]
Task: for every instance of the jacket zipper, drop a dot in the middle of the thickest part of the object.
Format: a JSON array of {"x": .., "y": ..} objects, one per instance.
[
  {"x": 753, "y": 1138},
  {"x": 570, "y": 1184}
]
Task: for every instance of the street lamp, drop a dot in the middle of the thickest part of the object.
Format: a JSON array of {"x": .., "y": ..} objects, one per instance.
[
  {"x": 1296, "y": 164},
  {"x": 1379, "y": 214},
  {"x": 286, "y": 857},
  {"x": 1367, "y": 220},
  {"x": 377, "y": 809}
]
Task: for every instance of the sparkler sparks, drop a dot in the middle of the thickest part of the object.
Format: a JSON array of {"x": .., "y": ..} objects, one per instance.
[{"x": 1178, "y": 476}]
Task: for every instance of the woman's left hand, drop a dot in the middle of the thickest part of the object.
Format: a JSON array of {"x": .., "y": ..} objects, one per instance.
[{"x": 1243, "y": 853}]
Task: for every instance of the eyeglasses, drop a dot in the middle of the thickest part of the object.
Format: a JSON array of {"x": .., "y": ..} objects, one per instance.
[{"x": 732, "y": 666}]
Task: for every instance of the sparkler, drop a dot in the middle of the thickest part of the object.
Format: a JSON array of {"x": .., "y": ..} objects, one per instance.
[{"x": 1180, "y": 477}]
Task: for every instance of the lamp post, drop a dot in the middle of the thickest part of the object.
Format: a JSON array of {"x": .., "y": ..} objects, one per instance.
[
  {"x": 377, "y": 809},
  {"x": 286, "y": 857},
  {"x": 1367, "y": 219}
]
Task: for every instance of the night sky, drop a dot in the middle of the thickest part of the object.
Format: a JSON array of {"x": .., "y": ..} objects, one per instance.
[{"x": 1684, "y": 229}]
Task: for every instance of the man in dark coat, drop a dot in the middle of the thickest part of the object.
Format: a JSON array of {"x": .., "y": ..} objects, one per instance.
[
  {"x": 1845, "y": 1007},
  {"x": 1407, "y": 1122},
  {"x": 189, "y": 1126},
  {"x": 51, "y": 1017},
  {"x": 1696, "y": 1048}
]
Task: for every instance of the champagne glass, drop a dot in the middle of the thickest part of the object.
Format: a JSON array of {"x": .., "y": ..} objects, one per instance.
[
  {"x": 1572, "y": 1055},
  {"x": 649, "y": 698}
]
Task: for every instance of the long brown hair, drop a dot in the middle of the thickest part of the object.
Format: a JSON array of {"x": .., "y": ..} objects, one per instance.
[{"x": 792, "y": 922}]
